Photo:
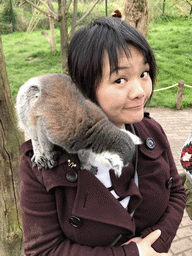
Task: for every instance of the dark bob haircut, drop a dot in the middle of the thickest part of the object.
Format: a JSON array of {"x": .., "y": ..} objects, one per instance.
[{"x": 90, "y": 43}]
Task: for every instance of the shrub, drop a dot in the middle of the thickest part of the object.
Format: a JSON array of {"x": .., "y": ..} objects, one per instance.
[
  {"x": 5, "y": 28},
  {"x": 7, "y": 14}
]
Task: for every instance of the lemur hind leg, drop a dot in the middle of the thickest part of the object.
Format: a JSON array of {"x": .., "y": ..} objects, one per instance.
[
  {"x": 37, "y": 152},
  {"x": 43, "y": 152}
]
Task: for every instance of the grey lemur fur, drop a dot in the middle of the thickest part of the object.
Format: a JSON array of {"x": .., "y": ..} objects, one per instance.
[{"x": 54, "y": 112}]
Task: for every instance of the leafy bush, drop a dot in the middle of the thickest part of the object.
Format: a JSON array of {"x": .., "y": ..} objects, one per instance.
[
  {"x": 9, "y": 17},
  {"x": 8, "y": 14},
  {"x": 5, "y": 28}
]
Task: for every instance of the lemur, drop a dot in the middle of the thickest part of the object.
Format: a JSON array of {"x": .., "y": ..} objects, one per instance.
[{"x": 53, "y": 111}]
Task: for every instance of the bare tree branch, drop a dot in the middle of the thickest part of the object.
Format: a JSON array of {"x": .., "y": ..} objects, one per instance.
[
  {"x": 51, "y": 6},
  {"x": 74, "y": 19},
  {"x": 51, "y": 11},
  {"x": 46, "y": 36},
  {"x": 86, "y": 14},
  {"x": 189, "y": 3},
  {"x": 68, "y": 5},
  {"x": 39, "y": 9}
]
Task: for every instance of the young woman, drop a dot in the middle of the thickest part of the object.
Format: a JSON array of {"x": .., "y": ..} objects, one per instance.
[{"x": 68, "y": 211}]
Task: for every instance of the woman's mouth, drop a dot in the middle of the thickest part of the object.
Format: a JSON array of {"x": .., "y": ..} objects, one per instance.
[{"x": 134, "y": 107}]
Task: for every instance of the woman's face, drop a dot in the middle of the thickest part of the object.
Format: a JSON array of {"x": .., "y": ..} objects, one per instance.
[{"x": 122, "y": 93}]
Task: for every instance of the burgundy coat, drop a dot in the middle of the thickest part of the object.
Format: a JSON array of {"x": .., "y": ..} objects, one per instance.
[{"x": 67, "y": 211}]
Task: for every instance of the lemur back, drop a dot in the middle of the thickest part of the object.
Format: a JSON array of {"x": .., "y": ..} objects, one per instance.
[{"x": 54, "y": 112}]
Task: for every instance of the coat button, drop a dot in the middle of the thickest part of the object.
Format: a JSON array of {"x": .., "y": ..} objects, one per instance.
[
  {"x": 170, "y": 182},
  {"x": 75, "y": 221},
  {"x": 71, "y": 176},
  {"x": 150, "y": 143}
]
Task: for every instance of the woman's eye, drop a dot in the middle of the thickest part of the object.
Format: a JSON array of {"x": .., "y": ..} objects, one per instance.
[
  {"x": 120, "y": 81},
  {"x": 144, "y": 74}
]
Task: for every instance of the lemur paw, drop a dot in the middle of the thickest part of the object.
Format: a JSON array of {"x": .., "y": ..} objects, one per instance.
[
  {"x": 113, "y": 161},
  {"x": 135, "y": 138},
  {"x": 38, "y": 161},
  {"x": 42, "y": 161}
]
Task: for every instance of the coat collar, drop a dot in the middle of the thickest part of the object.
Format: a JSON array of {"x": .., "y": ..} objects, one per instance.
[{"x": 149, "y": 130}]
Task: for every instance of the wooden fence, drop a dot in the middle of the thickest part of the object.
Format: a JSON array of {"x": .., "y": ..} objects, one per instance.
[{"x": 179, "y": 92}]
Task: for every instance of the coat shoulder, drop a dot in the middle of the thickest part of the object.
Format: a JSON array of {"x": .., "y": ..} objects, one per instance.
[
  {"x": 61, "y": 175},
  {"x": 150, "y": 127}
]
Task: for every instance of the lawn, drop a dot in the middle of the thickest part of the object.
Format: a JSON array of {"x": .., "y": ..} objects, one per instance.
[
  {"x": 28, "y": 55},
  {"x": 171, "y": 41}
]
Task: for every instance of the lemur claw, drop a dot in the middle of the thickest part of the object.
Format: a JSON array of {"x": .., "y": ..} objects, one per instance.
[{"x": 42, "y": 161}]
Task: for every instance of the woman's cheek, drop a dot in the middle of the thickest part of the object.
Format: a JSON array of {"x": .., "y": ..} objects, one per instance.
[{"x": 149, "y": 89}]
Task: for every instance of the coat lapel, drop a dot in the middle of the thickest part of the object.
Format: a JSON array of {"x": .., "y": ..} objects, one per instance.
[{"x": 94, "y": 202}]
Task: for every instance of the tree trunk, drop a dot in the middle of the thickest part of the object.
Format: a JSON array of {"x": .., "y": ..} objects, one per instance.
[
  {"x": 74, "y": 19},
  {"x": 62, "y": 19},
  {"x": 136, "y": 13},
  {"x": 10, "y": 140},
  {"x": 51, "y": 39},
  {"x": 52, "y": 29}
]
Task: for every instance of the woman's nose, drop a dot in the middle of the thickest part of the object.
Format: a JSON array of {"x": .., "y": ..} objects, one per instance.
[{"x": 136, "y": 90}]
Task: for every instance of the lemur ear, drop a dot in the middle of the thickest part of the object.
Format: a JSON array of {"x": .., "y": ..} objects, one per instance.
[
  {"x": 116, "y": 13},
  {"x": 135, "y": 138}
]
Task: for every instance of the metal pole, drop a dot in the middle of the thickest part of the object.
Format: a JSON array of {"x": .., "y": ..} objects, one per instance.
[
  {"x": 106, "y": 7},
  {"x": 12, "y": 16},
  {"x": 163, "y": 6}
]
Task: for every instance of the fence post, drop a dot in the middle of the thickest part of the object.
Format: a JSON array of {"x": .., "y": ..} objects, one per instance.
[{"x": 179, "y": 94}]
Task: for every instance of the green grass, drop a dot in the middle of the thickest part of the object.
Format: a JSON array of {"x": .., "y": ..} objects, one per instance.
[
  {"x": 171, "y": 42},
  {"x": 29, "y": 55}
]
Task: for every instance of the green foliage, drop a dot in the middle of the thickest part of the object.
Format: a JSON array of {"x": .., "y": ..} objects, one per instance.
[
  {"x": 5, "y": 28},
  {"x": 172, "y": 8},
  {"x": 11, "y": 19},
  {"x": 28, "y": 55},
  {"x": 8, "y": 18},
  {"x": 171, "y": 42}
]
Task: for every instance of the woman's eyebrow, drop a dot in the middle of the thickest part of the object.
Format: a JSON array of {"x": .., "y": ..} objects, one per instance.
[{"x": 118, "y": 68}]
